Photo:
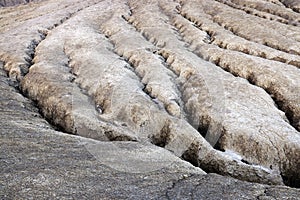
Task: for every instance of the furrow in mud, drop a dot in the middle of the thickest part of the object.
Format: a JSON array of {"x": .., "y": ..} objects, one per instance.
[
  {"x": 17, "y": 71},
  {"x": 132, "y": 64},
  {"x": 278, "y": 36},
  {"x": 188, "y": 76},
  {"x": 284, "y": 90},
  {"x": 177, "y": 59},
  {"x": 293, "y": 4},
  {"x": 144, "y": 117},
  {"x": 45, "y": 10},
  {"x": 52, "y": 84},
  {"x": 265, "y": 10},
  {"x": 227, "y": 40},
  {"x": 160, "y": 82},
  {"x": 25, "y": 34}
]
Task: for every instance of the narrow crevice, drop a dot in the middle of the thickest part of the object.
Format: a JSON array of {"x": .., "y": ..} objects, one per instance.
[
  {"x": 169, "y": 68},
  {"x": 218, "y": 146},
  {"x": 148, "y": 93},
  {"x": 156, "y": 52},
  {"x": 34, "y": 107},
  {"x": 132, "y": 67},
  {"x": 267, "y": 44},
  {"x": 291, "y": 180},
  {"x": 191, "y": 155},
  {"x": 35, "y": 104},
  {"x": 275, "y": 47},
  {"x": 280, "y": 104},
  {"x": 29, "y": 59},
  {"x": 16, "y": 86},
  {"x": 109, "y": 132},
  {"x": 203, "y": 130},
  {"x": 246, "y": 162},
  {"x": 284, "y": 19},
  {"x": 202, "y": 127},
  {"x": 204, "y": 124},
  {"x": 164, "y": 59},
  {"x": 163, "y": 137},
  {"x": 31, "y": 48},
  {"x": 98, "y": 108},
  {"x": 130, "y": 11},
  {"x": 292, "y": 5},
  {"x": 251, "y": 79},
  {"x": 61, "y": 21},
  {"x": 31, "y": 51},
  {"x": 50, "y": 120},
  {"x": 113, "y": 137},
  {"x": 210, "y": 40}
]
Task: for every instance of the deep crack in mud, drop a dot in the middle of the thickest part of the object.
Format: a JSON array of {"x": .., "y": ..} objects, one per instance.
[{"x": 216, "y": 83}]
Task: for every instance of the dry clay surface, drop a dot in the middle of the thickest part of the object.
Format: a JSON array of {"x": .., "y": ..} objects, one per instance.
[
  {"x": 6, "y": 3},
  {"x": 215, "y": 83}
]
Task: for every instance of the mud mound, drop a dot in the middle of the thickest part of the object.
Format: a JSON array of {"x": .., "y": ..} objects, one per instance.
[{"x": 213, "y": 83}]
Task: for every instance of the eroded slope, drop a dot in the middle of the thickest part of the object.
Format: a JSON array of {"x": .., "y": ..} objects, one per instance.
[{"x": 217, "y": 83}]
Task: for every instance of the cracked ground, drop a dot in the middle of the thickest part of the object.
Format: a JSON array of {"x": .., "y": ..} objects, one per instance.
[{"x": 163, "y": 99}]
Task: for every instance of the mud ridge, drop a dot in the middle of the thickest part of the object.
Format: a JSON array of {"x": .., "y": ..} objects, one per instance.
[{"x": 214, "y": 84}]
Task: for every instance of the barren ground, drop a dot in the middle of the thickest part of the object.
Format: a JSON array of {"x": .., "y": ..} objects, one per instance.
[{"x": 159, "y": 99}]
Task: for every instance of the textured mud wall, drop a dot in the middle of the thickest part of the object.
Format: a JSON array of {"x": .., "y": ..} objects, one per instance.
[
  {"x": 214, "y": 83},
  {"x": 293, "y": 4}
]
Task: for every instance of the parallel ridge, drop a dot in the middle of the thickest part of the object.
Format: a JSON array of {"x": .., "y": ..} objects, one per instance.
[{"x": 202, "y": 79}]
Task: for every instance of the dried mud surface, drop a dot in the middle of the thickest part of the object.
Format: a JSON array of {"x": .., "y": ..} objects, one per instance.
[
  {"x": 174, "y": 91},
  {"x": 7, "y": 3}
]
